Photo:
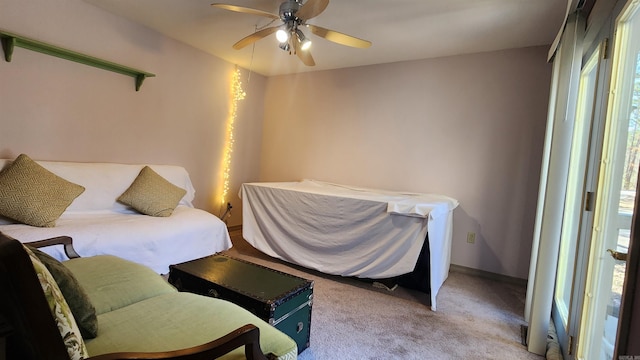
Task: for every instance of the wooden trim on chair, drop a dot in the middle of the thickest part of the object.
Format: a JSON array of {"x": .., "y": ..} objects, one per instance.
[
  {"x": 66, "y": 241},
  {"x": 247, "y": 336}
]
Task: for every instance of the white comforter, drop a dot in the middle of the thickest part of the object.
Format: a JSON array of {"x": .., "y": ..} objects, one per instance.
[{"x": 349, "y": 231}]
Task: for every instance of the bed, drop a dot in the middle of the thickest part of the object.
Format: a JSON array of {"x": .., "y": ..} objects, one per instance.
[{"x": 350, "y": 231}]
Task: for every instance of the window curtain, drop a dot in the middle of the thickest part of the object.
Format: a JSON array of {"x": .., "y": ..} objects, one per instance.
[
  {"x": 572, "y": 6},
  {"x": 553, "y": 182}
]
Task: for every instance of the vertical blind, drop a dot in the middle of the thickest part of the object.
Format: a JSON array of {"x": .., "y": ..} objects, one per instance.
[{"x": 562, "y": 104}]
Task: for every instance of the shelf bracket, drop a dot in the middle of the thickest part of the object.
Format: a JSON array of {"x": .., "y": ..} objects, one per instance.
[{"x": 10, "y": 41}]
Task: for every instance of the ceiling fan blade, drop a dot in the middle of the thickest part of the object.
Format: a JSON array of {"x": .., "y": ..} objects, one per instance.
[
  {"x": 338, "y": 37},
  {"x": 311, "y": 9},
  {"x": 247, "y": 40},
  {"x": 246, "y": 10},
  {"x": 304, "y": 55}
]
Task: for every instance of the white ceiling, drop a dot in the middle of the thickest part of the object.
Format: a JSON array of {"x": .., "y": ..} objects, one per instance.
[{"x": 399, "y": 29}]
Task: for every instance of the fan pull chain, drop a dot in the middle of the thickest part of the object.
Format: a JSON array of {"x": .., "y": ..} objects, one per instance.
[
  {"x": 253, "y": 48},
  {"x": 253, "y": 51}
]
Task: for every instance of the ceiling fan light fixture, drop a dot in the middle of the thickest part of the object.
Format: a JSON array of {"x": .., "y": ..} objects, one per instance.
[
  {"x": 284, "y": 46},
  {"x": 305, "y": 43},
  {"x": 282, "y": 35},
  {"x": 294, "y": 14}
]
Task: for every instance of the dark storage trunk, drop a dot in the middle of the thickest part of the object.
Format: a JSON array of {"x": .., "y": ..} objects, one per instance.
[{"x": 281, "y": 299}]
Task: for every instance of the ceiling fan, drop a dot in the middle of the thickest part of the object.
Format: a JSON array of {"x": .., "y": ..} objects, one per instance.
[{"x": 294, "y": 15}]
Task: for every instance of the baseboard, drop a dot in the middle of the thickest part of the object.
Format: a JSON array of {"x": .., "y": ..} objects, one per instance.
[
  {"x": 488, "y": 275},
  {"x": 234, "y": 228}
]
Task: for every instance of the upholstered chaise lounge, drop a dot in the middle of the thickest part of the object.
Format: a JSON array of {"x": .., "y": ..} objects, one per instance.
[{"x": 138, "y": 315}]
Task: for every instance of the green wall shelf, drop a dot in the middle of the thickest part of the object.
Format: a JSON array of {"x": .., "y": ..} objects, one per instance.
[{"x": 10, "y": 40}]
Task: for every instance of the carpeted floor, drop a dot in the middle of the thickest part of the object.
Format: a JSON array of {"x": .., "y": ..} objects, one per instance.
[{"x": 477, "y": 318}]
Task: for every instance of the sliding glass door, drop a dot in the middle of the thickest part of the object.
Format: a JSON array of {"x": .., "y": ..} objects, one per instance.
[
  {"x": 614, "y": 207},
  {"x": 576, "y": 218},
  {"x": 601, "y": 150}
]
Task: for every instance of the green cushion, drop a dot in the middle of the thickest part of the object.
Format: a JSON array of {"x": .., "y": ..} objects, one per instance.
[
  {"x": 60, "y": 311},
  {"x": 78, "y": 300},
  {"x": 151, "y": 194},
  {"x": 181, "y": 320},
  {"x": 33, "y": 195},
  {"x": 112, "y": 282}
]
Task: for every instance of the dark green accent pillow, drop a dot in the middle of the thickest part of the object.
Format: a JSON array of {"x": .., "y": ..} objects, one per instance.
[{"x": 81, "y": 307}]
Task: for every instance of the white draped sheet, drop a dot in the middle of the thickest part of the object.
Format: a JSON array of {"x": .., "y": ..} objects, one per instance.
[
  {"x": 347, "y": 230},
  {"x": 99, "y": 224},
  {"x": 156, "y": 242}
]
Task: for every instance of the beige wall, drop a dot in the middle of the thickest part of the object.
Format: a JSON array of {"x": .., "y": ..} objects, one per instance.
[
  {"x": 60, "y": 110},
  {"x": 470, "y": 127}
]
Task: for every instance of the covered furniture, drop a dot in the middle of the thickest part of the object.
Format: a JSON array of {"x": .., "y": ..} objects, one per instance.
[
  {"x": 349, "y": 231},
  {"x": 138, "y": 314},
  {"x": 100, "y": 224}
]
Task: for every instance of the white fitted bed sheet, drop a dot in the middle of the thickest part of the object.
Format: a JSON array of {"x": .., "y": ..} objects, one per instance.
[{"x": 349, "y": 231}]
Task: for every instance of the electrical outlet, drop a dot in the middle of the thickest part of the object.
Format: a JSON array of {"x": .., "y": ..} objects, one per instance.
[{"x": 471, "y": 237}]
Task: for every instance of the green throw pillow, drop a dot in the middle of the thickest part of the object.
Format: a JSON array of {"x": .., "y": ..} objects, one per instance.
[
  {"x": 34, "y": 195},
  {"x": 63, "y": 317},
  {"x": 151, "y": 194},
  {"x": 81, "y": 307}
]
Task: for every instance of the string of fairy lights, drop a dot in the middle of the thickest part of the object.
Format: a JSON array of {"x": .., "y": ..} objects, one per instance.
[{"x": 237, "y": 94}]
